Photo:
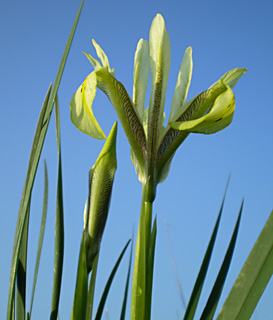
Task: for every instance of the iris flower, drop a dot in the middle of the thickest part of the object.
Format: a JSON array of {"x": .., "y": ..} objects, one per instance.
[{"x": 153, "y": 145}]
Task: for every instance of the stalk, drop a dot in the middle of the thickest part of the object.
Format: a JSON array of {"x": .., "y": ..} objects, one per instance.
[{"x": 142, "y": 285}]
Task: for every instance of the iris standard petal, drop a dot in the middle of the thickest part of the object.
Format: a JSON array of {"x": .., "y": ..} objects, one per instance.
[
  {"x": 182, "y": 85},
  {"x": 141, "y": 76}
]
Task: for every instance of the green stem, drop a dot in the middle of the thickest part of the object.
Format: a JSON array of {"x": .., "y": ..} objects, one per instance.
[{"x": 141, "y": 288}]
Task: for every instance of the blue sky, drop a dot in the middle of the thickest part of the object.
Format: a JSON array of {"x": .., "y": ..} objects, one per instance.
[{"x": 223, "y": 35}]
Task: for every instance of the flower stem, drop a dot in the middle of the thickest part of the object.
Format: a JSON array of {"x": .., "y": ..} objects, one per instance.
[{"x": 143, "y": 265}]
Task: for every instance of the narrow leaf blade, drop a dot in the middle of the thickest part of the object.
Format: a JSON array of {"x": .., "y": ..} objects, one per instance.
[
  {"x": 253, "y": 278},
  {"x": 41, "y": 237},
  {"x": 35, "y": 153},
  {"x": 59, "y": 229},
  {"x": 214, "y": 297},
  {"x": 108, "y": 284},
  {"x": 196, "y": 292},
  {"x": 123, "y": 309}
]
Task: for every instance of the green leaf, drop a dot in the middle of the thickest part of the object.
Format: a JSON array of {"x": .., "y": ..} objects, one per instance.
[
  {"x": 253, "y": 278},
  {"x": 41, "y": 238},
  {"x": 218, "y": 118},
  {"x": 141, "y": 76},
  {"x": 91, "y": 289},
  {"x": 36, "y": 150},
  {"x": 108, "y": 284},
  {"x": 125, "y": 296},
  {"x": 101, "y": 178},
  {"x": 196, "y": 292},
  {"x": 22, "y": 272},
  {"x": 59, "y": 228},
  {"x": 82, "y": 115},
  {"x": 216, "y": 291},
  {"x": 80, "y": 294},
  {"x": 182, "y": 85}
]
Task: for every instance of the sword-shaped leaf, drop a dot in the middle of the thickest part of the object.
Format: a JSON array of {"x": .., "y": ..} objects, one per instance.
[
  {"x": 196, "y": 292},
  {"x": 216, "y": 291},
  {"x": 108, "y": 284},
  {"x": 253, "y": 278}
]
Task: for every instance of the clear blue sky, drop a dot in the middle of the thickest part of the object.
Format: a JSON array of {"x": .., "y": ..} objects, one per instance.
[{"x": 223, "y": 35}]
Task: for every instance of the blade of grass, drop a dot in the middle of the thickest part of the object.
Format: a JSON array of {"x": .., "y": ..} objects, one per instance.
[
  {"x": 253, "y": 278},
  {"x": 59, "y": 228},
  {"x": 196, "y": 292},
  {"x": 108, "y": 284},
  {"x": 36, "y": 150},
  {"x": 91, "y": 289},
  {"x": 125, "y": 296},
  {"x": 41, "y": 237},
  {"x": 214, "y": 297},
  {"x": 148, "y": 303},
  {"x": 22, "y": 273},
  {"x": 80, "y": 294}
]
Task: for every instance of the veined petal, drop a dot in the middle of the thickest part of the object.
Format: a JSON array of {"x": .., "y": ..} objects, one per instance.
[
  {"x": 182, "y": 85},
  {"x": 231, "y": 77},
  {"x": 101, "y": 178},
  {"x": 141, "y": 76},
  {"x": 160, "y": 55},
  {"x": 81, "y": 108},
  {"x": 219, "y": 117},
  {"x": 126, "y": 112}
]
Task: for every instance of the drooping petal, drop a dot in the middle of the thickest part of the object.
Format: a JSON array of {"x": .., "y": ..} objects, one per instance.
[
  {"x": 101, "y": 177},
  {"x": 141, "y": 76},
  {"x": 182, "y": 85},
  {"x": 231, "y": 77},
  {"x": 126, "y": 112},
  {"x": 82, "y": 115},
  {"x": 218, "y": 118}
]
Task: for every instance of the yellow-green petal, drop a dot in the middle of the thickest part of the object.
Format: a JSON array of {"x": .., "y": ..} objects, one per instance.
[
  {"x": 231, "y": 77},
  {"x": 82, "y": 115},
  {"x": 141, "y": 76},
  {"x": 219, "y": 117},
  {"x": 182, "y": 85},
  {"x": 103, "y": 57}
]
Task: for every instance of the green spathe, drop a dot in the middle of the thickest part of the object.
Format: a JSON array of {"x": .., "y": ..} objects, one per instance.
[{"x": 101, "y": 177}]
